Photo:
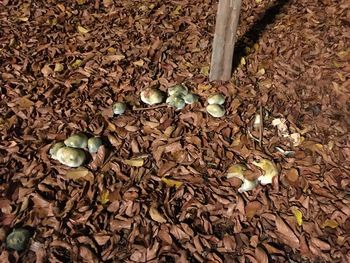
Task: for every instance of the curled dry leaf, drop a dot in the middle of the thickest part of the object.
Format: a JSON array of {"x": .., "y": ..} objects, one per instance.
[
  {"x": 252, "y": 209},
  {"x": 77, "y": 173},
  {"x": 331, "y": 223},
  {"x": 287, "y": 235},
  {"x": 82, "y": 30},
  {"x": 292, "y": 175},
  {"x": 135, "y": 162},
  {"x": 104, "y": 197},
  {"x": 298, "y": 216},
  {"x": 155, "y": 215},
  {"x": 171, "y": 182}
]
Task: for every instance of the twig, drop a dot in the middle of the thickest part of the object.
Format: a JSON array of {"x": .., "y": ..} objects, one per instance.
[
  {"x": 261, "y": 127},
  {"x": 150, "y": 108}
]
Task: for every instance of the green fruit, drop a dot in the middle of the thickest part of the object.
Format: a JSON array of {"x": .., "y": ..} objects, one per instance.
[
  {"x": 94, "y": 143},
  {"x": 178, "y": 90},
  {"x": 54, "y": 149},
  {"x": 18, "y": 239},
  {"x": 77, "y": 141},
  {"x": 190, "y": 98},
  {"x": 71, "y": 157},
  {"x": 119, "y": 108},
  {"x": 152, "y": 96},
  {"x": 215, "y": 110},
  {"x": 176, "y": 102},
  {"x": 216, "y": 99}
]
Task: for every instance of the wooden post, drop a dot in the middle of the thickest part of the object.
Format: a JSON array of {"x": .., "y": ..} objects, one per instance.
[{"x": 224, "y": 39}]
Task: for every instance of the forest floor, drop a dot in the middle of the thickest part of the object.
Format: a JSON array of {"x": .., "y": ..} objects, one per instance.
[{"x": 64, "y": 63}]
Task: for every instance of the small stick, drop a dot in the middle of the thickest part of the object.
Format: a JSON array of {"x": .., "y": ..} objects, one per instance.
[
  {"x": 151, "y": 108},
  {"x": 261, "y": 128}
]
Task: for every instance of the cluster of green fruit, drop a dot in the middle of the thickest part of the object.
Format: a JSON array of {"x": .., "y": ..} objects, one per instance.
[
  {"x": 71, "y": 151},
  {"x": 179, "y": 96}
]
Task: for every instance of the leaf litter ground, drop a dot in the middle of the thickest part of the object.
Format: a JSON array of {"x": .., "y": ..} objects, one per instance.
[{"x": 157, "y": 191}]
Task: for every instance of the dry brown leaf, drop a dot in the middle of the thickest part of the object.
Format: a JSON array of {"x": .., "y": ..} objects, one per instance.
[
  {"x": 24, "y": 103},
  {"x": 330, "y": 223},
  {"x": 252, "y": 209},
  {"x": 286, "y": 234},
  {"x": 77, "y": 173},
  {"x": 292, "y": 175},
  {"x": 135, "y": 162},
  {"x": 156, "y": 216}
]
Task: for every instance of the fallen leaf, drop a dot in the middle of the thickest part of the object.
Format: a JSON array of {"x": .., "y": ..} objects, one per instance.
[
  {"x": 23, "y": 19},
  {"x": 82, "y": 30},
  {"x": 176, "y": 12},
  {"x": 116, "y": 57},
  {"x": 139, "y": 63},
  {"x": 46, "y": 70},
  {"x": 156, "y": 216},
  {"x": 24, "y": 102},
  {"x": 171, "y": 183},
  {"x": 78, "y": 173},
  {"x": 77, "y": 63},
  {"x": 205, "y": 70},
  {"x": 286, "y": 234},
  {"x": 292, "y": 175},
  {"x": 104, "y": 197},
  {"x": 81, "y": 2},
  {"x": 298, "y": 216},
  {"x": 261, "y": 72},
  {"x": 111, "y": 50},
  {"x": 58, "y": 67},
  {"x": 330, "y": 223},
  {"x": 107, "y": 3},
  {"x": 252, "y": 208},
  {"x": 135, "y": 162}
]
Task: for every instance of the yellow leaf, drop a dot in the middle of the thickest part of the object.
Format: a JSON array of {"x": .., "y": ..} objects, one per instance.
[
  {"x": 134, "y": 162},
  {"x": 24, "y": 102},
  {"x": 330, "y": 223},
  {"x": 156, "y": 216},
  {"x": 78, "y": 173},
  {"x": 23, "y": 19},
  {"x": 111, "y": 50},
  {"x": 258, "y": 1},
  {"x": 82, "y": 30},
  {"x": 139, "y": 63},
  {"x": 77, "y": 63},
  {"x": 243, "y": 62},
  {"x": 81, "y": 2},
  {"x": 104, "y": 197},
  {"x": 171, "y": 183},
  {"x": 256, "y": 47},
  {"x": 298, "y": 216},
  {"x": 205, "y": 70},
  {"x": 58, "y": 67},
  {"x": 261, "y": 71},
  {"x": 176, "y": 12}
]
